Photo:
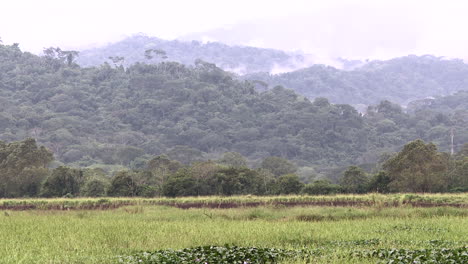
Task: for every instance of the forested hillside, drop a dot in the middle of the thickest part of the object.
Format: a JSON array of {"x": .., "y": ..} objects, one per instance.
[
  {"x": 153, "y": 50},
  {"x": 125, "y": 116},
  {"x": 398, "y": 80}
]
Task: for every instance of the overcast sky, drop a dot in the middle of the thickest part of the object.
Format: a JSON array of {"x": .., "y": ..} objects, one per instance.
[{"x": 351, "y": 29}]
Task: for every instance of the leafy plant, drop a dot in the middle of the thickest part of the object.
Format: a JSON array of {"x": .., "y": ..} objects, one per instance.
[
  {"x": 215, "y": 254},
  {"x": 440, "y": 256}
]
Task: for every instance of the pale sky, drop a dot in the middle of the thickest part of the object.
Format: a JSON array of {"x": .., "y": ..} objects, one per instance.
[{"x": 351, "y": 29}]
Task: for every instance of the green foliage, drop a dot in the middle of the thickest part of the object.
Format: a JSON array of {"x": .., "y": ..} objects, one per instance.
[
  {"x": 278, "y": 166},
  {"x": 124, "y": 183},
  {"x": 94, "y": 188},
  {"x": 22, "y": 167},
  {"x": 458, "y": 171},
  {"x": 319, "y": 234},
  {"x": 399, "y": 80},
  {"x": 321, "y": 187},
  {"x": 380, "y": 182},
  {"x": 354, "y": 180},
  {"x": 441, "y": 256},
  {"x": 140, "y": 48},
  {"x": 233, "y": 159},
  {"x": 180, "y": 184},
  {"x": 62, "y": 181},
  {"x": 110, "y": 116},
  {"x": 215, "y": 254},
  {"x": 289, "y": 184},
  {"x": 418, "y": 168},
  {"x": 232, "y": 181}
]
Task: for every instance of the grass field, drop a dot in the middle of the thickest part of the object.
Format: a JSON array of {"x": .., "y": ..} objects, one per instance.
[
  {"x": 334, "y": 234},
  {"x": 387, "y": 200}
]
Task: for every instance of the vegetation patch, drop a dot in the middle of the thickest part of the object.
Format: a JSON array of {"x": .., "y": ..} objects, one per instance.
[
  {"x": 440, "y": 256},
  {"x": 216, "y": 254}
]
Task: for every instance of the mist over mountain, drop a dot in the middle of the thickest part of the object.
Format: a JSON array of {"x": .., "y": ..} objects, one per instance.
[
  {"x": 238, "y": 59},
  {"x": 399, "y": 80}
]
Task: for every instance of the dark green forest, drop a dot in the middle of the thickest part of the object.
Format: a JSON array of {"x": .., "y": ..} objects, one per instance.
[
  {"x": 114, "y": 119},
  {"x": 418, "y": 167},
  {"x": 122, "y": 116},
  {"x": 399, "y": 80}
]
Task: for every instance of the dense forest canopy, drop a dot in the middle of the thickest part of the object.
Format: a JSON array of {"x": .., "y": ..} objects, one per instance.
[
  {"x": 418, "y": 167},
  {"x": 399, "y": 80},
  {"x": 119, "y": 115}
]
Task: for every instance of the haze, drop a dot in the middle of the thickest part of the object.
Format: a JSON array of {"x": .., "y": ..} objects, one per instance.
[{"x": 328, "y": 29}]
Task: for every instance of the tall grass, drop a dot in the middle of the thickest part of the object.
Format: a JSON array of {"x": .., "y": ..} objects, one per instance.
[
  {"x": 84, "y": 236},
  {"x": 379, "y": 200}
]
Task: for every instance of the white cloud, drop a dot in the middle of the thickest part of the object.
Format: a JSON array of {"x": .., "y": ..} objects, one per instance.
[{"x": 359, "y": 28}]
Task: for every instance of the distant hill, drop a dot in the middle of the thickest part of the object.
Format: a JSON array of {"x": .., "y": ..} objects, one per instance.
[
  {"x": 238, "y": 59},
  {"x": 399, "y": 80},
  {"x": 123, "y": 116}
]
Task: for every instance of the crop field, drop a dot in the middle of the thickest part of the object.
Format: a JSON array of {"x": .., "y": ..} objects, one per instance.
[{"x": 403, "y": 228}]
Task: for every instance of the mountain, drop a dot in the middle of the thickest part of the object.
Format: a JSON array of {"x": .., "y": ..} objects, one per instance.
[
  {"x": 399, "y": 80},
  {"x": 124, "y": 116},
  {"x": 239, "y": 59},
  {"x": 355, "y": 82}
]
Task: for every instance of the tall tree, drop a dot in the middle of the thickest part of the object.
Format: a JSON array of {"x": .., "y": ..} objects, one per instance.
[
  {"x": 278, "y": 166},
  {"x": 22, "y": 164},
  {"x": 63, "y": 181},
  {"x": 354, "y": 180},
  {"x": 418, "y": 168}
]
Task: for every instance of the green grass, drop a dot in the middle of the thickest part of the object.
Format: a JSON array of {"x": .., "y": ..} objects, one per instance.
[
  {"x": 80, "y": 236},
  {"x": 460, "y": 199}
]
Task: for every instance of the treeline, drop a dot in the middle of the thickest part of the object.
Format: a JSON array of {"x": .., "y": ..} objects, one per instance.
[
  {"x": 118, "y": 116},
  {"x": 419, "y": 167}
]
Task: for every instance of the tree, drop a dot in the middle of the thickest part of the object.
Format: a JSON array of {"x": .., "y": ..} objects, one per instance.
[
  {"x": 159, "y": 52},
  {"x": 458, "y": 176},
  {"x": 417, "y": 168},
  {"x": 380, "y": 182},
  {"x": 161, "y": 167},
  {"x": 289, "y": 184},
  {"x": 64, "y": 56},
  {"x": 117, "y": 60},
  {"x": 321, "y": 187},
  {"x": 278, "y": 166},
  {"x": 233, "y": 159},
  {"x": 180, "y": 184},
  {"x": 124, "y": 183},
  {"x": 127, "y": 154},
  {"x": 94, "y": 188},
  {"x": 63, "y": 181},
  {"x": 185, "y": 154},
  {"x": 202, "y": 172},
  {"x": 235, "y": 181},
  {"x": 30, "y": 181},
  {"x": 354, "y": 180},
  {"x": 23, "y": 165}
]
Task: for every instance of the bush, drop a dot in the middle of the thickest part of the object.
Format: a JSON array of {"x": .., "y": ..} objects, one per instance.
[
  {"x": 94, "y": 188},
  {"x": 321, "y": 187},
  {"x": 62, "y": 181},
  {"x": 289, "y": 184}
]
